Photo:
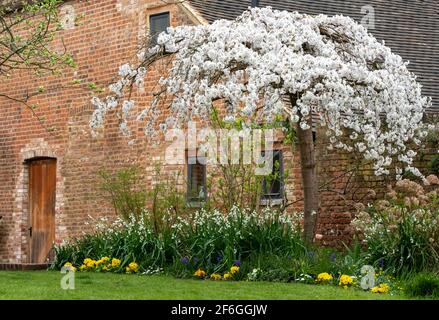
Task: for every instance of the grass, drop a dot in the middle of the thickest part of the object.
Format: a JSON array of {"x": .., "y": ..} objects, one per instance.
[{"x": 46, "y": 285}]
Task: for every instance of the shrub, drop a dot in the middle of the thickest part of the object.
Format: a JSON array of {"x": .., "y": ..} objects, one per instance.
[
  {"x": 129, "y": 196},
  {"x": 401, "y": 233},
  {"x": 124, "y": 190},
  {"x": 423, "y": 285}
]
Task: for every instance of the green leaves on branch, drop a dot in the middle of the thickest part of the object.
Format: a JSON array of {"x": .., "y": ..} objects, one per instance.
[{"x": 31, "y": 50}]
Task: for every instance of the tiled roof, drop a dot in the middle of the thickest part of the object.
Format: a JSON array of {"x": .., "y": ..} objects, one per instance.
[{"x": 409, "y": 27}]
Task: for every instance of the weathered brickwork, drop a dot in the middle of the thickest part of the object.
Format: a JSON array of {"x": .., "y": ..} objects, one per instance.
[
  {"x": 344, "y": 181},
  {"x": 102, "y": 35}
]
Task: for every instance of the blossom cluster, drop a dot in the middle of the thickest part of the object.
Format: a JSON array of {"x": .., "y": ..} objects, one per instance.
[
  {"x": 406, "y": 202},
  {"x": 329, "y": 66},
  {"x": 226, "y": 224}
]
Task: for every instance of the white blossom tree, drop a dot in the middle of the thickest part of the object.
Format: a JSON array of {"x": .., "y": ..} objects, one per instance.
[{"x": 330, "y": 67}]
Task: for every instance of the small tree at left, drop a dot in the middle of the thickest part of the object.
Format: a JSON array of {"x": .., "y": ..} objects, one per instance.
[{"x": 27, "y": 29}]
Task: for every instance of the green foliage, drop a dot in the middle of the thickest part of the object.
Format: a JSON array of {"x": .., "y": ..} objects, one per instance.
[
  {"x": 272, "y": 267},
  {"x": 166, "y": 199},
  {"x": 91, "y": 86},
  {"x": 235, "y": 184},
  {"x": 132, "y": 242},
  {"x": 129, "y": 195},
  {"x": 401, "y": 234},
  {"x": 30, "y": 50},
  {"x": 45, "y": 285},
  {"x": 207, "y": 239},
  {"x": 124, "y": 190},
  {"x": 423, "y": 285}
]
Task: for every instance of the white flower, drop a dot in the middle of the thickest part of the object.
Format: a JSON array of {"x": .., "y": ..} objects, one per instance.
[
  {"x": 252, "y": 62},
  {"x": 125, "y": 70},
  {"x": 126, "y": 107}
]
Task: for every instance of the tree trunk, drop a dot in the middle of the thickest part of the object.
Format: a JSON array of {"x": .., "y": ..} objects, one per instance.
[{"x": 309, "y": 177}]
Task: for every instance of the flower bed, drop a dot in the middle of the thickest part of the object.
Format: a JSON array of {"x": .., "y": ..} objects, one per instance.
[{"x": 399, "y": 236}]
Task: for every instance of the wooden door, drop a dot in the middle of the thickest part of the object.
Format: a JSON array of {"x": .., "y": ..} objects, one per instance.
[{"x": 42, "y": 181}]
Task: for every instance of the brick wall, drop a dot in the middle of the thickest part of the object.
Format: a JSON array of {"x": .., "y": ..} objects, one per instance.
[
  {"x": 345, "y": 180},
  {"x": 102, "y": 35}
]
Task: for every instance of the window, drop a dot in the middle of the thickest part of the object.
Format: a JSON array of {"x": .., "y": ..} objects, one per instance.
[
  {"x": 157, "y": 24},
  {"x": 196, "y": 181},
  {"x": 272, "y": 185}
]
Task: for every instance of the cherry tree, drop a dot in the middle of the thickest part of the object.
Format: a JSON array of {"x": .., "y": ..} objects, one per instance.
[{"x": 269, "y": 63}]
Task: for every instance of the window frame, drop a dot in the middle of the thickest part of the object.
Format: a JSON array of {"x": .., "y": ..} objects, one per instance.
[
  {"x": 154, "y": 37},
  {"x": 191, "y": 201},
  {"x": 267, "y": 198}
]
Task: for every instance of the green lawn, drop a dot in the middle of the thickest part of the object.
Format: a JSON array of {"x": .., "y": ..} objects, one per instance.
[{"x": 46, "y": 285}]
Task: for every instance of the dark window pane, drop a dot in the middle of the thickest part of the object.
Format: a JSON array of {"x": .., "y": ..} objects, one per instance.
[
  {"x": 157, "y": 24},
  {"x": 272, "y": 186},
  {"x": 196, "y": 181}
]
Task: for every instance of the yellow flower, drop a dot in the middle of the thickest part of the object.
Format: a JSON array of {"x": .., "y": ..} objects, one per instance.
[
  {"x": 227, "y": 276},
  {"x": 234, "y": 269},
  {"x": 69, "y": 266},
  {"x": 345, "y": 280},
  {"x": 200, "y": 273},
  {"x": 127, "y": 270},
  {"x": 105, "y": 268},
  {"x": 134, "y": 267},
  {"x": 382, "y": 288},
  {"x": 115, "y": 263},
  {"x": 324, "y": 276},
  {"x": 215, "y": 276},
  {"x": 87, "y": 260},
  {"x": 82, "y": 267},
  {"x": 99, "y": 262},
  {"x": 91, "y": 263},
  {"x": 105, "y": 259}
]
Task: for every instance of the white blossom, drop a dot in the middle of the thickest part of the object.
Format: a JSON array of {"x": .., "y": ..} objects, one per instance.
[{"x": 330, "y": 66}]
